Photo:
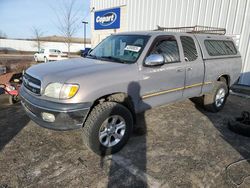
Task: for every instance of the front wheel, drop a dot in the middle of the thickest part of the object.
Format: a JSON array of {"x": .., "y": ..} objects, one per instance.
[
  {"x": 107, "y": 128},
  {"x": 216, "y": 100},
  {"x": 45, "y": 60}
]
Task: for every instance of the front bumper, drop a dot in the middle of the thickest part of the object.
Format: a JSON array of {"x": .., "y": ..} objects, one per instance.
[
  {"x": 67, "y": 116},
  {"x": 57, "y": 58}
]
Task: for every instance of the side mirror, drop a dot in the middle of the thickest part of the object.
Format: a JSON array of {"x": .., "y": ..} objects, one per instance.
[{"x": 154, "y": 60}]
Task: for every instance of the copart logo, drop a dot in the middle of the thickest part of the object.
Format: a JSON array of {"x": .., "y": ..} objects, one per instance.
[{"x": 106, "y": 19}]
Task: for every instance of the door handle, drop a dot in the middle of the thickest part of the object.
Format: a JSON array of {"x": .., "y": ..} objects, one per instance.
[
  {"x": 189, "y": 68},
  {"x": 179, "y": 70}
]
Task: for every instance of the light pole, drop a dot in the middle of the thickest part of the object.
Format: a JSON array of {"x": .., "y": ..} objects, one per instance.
[{"x": 85, "y": 23}]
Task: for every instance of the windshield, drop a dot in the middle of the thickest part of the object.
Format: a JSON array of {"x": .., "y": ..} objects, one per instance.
[{"x": 120, "y": 48}]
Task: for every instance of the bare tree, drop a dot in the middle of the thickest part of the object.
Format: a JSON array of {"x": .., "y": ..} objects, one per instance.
[
  {"x": 37, "y": 33},
  {"x": 2, "y": 35},
  {"x": 68, "y": 21}
]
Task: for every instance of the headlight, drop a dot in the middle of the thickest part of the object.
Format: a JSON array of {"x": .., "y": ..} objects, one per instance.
[
  {"x": 68, "y": 91},
  {"x": 61, "y": 91},
  {"x": 53, "y": 90}
]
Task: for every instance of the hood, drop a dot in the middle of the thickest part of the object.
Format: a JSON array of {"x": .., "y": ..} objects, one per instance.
[{"x": 61, "y": 71}]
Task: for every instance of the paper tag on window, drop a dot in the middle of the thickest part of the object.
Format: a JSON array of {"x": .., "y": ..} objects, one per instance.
[{"x": 133, "y": 48}]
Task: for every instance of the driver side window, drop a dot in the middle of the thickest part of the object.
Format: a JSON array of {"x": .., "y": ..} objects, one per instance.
[{"x": 168, "y": 48}]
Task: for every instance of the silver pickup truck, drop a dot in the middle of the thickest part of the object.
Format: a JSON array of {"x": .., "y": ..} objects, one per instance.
[{"x": 125, "y": 74}]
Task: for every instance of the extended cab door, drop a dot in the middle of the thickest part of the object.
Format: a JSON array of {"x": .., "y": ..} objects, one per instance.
[
  {"x": 165, "y": 83},
  {"x": 194, "y": 66}
]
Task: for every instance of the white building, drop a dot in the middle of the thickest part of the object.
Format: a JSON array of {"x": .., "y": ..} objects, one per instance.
[
  {"x": 134, "y": 15},
  {"x": 31, "y": 46}
]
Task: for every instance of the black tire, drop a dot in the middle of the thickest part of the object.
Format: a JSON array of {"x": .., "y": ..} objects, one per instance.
[
  {"x": 13, "y": 99},
  {"x": 46, "y": 60},
  {"x": 93, "y": 124},
  {"x": 209, "y": 101},
  {"x": 239, "y": 127}
]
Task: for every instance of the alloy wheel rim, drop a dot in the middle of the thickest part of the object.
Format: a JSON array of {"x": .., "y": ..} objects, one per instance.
[
  {"x": 220, "y": 97},
  {"x": 112, "y": 131}
]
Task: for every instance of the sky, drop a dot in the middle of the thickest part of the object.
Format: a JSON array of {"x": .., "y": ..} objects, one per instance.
[{"x": 18, "y": 17}]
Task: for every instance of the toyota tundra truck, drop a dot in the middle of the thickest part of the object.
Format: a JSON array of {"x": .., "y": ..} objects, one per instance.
[{"x": 128, "y": 73}]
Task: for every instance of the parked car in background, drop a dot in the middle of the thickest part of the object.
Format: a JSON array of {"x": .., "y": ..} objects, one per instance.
[
  {"x": 85, "y": 52},
  {"x": 49, "y": 54}
]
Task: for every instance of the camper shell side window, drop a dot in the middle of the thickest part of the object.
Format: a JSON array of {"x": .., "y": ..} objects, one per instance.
[{"x": 220, "y": 47}]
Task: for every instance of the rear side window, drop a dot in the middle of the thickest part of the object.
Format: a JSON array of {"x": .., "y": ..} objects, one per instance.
[
  {"x": 52, "y": 50},
  {"x": 220, "y": 47},
  {"x": 168, "y": 48},
  {"x": 189, "y": 49}
]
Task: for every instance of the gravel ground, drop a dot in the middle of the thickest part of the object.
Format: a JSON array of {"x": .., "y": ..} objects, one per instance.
[{"x": 183, "y": 146}]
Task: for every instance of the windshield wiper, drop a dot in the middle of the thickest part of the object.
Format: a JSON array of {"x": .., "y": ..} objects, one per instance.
[{"x": 113, "y": 59}]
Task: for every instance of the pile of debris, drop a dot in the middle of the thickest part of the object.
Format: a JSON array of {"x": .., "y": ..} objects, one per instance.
[{"x": 241, "y": 125}]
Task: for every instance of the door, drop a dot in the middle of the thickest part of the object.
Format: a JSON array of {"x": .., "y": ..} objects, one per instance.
[
  {"x": 59, "y": 54},
  {"x": 163, "y": 84},
  {"x": 194, "y": 66},
  {"x": 40, "y": 55}
]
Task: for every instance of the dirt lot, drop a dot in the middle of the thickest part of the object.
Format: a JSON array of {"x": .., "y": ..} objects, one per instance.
[{"x": 184, "y": 146}]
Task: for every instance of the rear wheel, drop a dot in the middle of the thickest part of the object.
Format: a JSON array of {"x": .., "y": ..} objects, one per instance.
[
  {"x": 107, "y": 128},
  {"x": 45, "y": 60},
  {"x": 216, "y": 100}
]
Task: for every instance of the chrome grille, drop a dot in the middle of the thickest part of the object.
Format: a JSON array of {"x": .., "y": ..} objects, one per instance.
[{"x": 32, "y": 84}]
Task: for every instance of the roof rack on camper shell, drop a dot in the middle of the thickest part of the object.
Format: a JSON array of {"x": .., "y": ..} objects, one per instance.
[{"x": 194, "y": 29}]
